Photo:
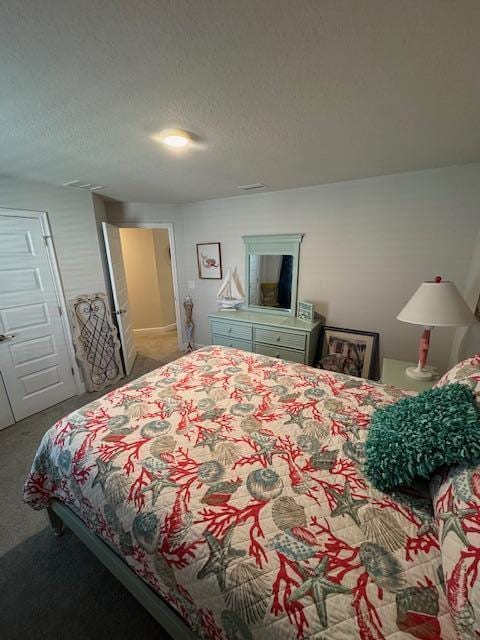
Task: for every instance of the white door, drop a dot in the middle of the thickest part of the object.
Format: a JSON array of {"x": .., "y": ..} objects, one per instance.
[
  {"x": 6, "y": 415},
  {"x": 34, "y": 359},
  {"x": 120, "y": 295}
]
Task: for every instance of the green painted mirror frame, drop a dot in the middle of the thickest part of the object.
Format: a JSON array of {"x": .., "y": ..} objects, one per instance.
[{"x": 273, "y": 245}]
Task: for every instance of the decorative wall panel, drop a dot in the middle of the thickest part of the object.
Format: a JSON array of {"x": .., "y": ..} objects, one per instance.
[{"x": 96, "y": 343}]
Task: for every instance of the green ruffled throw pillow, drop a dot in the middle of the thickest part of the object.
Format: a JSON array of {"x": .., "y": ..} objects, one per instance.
[{"x": 418, "y": 434}]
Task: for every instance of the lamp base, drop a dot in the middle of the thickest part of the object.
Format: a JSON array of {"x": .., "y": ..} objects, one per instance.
[{"x": 427, "y": 373}]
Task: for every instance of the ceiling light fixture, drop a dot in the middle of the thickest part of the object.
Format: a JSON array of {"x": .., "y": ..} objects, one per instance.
[{"x": 174, "y": 138}]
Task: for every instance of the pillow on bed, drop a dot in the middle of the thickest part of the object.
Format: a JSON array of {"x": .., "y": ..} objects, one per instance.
[
  {"x": 419, "y": 434},
  {"x": 467, "y": 371}
]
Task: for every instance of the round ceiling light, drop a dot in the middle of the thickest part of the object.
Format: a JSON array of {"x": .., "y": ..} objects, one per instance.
[{"x": 174, "y": 138}]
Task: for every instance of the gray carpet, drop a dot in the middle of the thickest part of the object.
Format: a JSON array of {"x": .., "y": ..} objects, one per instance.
[{"x": 54, "y": 587}]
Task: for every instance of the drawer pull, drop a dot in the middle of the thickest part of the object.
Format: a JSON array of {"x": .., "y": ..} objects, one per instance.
[
  {"x": 277, "y": 355},
  {"x": 278, "y": 338},
  {"x": 230, "y": 330},
  {"x": 230, "y": 344}
]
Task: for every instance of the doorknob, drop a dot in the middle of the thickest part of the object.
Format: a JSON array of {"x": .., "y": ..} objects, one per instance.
[{"x": 5, "y": 337}]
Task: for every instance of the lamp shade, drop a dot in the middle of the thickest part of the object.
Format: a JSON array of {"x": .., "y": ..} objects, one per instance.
[{"x": 437, "y": 304}]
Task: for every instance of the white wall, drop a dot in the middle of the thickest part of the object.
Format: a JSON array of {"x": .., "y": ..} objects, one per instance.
[
  {"x": 368, "y": 244},
  {"x": 163, "y": 262},
  {"x": 149, "y": 277},
  {"x": 100, "y": 212},
  {"x": 121, "y": 212},
  {"x": 73, "y": 227},
  {"x": 141, "y": 276},
  {"x": 467, "y": 339}
]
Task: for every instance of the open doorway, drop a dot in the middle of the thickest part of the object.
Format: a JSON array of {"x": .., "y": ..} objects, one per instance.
[
  {"x": 147, "y": 258},
  {"x": 143, "y": 276}
]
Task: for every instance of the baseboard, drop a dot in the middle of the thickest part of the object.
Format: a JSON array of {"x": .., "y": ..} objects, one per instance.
[
  {"x": 152, "y": 331},
  {"x": 81, "y": 388}
]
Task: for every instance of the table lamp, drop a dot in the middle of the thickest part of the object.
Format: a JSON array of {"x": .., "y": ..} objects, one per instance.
[{"x": 436, "y": 303}]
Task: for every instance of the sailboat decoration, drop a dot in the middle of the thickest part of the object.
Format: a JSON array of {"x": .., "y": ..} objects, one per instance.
[{"x": 230, "y": 297}]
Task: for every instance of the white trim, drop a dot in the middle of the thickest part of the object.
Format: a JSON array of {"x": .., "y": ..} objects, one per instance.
[
  {"x": 42, "y": 216},
  {"x": 148, "y": 331},
  {"x": 173, "y": 254}
]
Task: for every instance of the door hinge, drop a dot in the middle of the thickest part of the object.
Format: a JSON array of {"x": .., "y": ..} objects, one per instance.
[
  {"x": 60, "y": 312},
  {"x": 72, "y": 370},
  {"x": 47, "y": 238}
]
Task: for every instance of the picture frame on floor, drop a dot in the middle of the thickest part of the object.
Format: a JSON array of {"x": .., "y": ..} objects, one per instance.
[
  {"x": 209, "y": 260},
  {"x": 349, "y": 351}
]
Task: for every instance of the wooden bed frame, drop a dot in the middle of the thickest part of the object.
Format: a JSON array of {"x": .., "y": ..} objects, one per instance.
[{"x": 60, "y": 516}]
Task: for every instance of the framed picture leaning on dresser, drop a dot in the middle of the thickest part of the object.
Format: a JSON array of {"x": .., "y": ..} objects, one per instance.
[
  {"x": 305, "y": 310},
  {"x": 348, "y": 351}
]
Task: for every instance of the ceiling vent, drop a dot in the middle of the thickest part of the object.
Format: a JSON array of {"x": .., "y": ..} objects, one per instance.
[
  {"x": 78, "y": 184},
  {"x": 252, "y": 187}
]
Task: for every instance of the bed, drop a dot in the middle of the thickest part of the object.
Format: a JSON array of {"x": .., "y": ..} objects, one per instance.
[{"x": 227, "y": 487}]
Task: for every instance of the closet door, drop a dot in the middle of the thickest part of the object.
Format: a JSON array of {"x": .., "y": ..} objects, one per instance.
[
  {"x": 34, "y": 361},
  {"x": 120, "y": 295},
  {"x": 6, "y": 415}
]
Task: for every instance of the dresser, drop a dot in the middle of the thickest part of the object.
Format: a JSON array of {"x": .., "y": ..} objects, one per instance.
[{"x": 269, "y": 334}]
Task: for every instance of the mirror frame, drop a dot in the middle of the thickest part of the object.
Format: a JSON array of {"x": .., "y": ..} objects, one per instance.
[{"x": 273, "y": 245}]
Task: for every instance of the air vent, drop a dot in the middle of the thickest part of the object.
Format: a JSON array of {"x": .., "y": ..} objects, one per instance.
[
  {"x": 252, "y": 187},
  {"x": 78, "y": 184}
]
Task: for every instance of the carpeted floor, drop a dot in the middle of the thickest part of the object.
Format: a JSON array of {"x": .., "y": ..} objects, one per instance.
[
  {"x": 165, "y": 344},
  {"x": 54, "y": 587}
]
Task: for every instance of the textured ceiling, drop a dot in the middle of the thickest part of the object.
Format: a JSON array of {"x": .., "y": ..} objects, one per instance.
[{"x": 284, "y": 92}]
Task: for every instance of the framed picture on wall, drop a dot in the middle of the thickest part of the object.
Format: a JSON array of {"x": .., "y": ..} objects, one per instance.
[
  {"x": 209, "y": 260},
  {"x": 348, "y": 351}
]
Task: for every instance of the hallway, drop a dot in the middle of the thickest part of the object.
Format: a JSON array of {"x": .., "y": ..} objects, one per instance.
[{"x": 160, "y": 346}]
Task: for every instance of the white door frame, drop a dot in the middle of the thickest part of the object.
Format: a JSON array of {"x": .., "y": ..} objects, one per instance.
[
  {"x": 173, "y": 254},
  {"x": 57, "y": 283}
]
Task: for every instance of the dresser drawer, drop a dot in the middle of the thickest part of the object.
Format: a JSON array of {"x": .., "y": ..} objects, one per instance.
[
  {"x": 225, "y": 341},
  {"x": 279, "y": 352},
  {"x": 280, "y": 338},
  {"x": 232, "y": 329}
]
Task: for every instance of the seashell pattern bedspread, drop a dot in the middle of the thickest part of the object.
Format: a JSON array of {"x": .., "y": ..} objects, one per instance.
[{"x": 232, "y": 484}]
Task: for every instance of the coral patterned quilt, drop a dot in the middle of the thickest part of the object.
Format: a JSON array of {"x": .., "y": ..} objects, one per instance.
[{"x": 232, "y": 484}]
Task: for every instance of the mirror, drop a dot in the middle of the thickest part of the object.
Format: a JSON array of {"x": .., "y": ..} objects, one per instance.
[
  {"x": 272, "y": 272},
  {"x": 270, "y": 281}
]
